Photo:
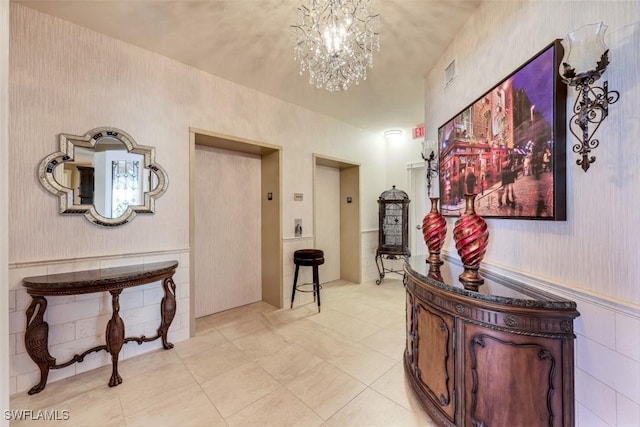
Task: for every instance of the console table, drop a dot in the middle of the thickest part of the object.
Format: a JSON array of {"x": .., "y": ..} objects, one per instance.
[
  {"x": 112, "y": 280},
  {"x": 502, "y": 356}
]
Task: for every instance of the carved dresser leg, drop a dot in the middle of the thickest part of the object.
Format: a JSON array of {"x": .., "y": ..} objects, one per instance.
[
  {"x": 36, "y": 341},
  {"x": 115, "y": 337},
  {"x": 167, "y": 310}
]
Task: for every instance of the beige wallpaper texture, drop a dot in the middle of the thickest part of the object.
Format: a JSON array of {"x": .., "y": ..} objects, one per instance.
[
  {"x": 4, "y": 186},
  {"x": 596, "y": 249},
  {"x": 63, "y": 78},
  {"x": 67, "y": 79}
]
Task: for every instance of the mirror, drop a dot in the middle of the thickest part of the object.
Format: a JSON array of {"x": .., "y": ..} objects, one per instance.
[{"x": 104, "y": 175}]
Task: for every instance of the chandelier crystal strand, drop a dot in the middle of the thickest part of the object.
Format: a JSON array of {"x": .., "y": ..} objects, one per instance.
[{"x": 335, "y": 40}]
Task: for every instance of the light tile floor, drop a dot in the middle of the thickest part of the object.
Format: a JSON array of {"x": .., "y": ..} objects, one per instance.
[{"x": 260, "y": 366}]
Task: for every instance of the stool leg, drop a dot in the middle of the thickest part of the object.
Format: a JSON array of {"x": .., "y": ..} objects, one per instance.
[
  {"x": 295, "y": 281},
  {"x": 313, "y": 288},
  {"x": 316, "y": 284}
]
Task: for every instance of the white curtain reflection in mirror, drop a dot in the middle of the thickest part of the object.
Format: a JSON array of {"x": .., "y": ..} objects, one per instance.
[
  {"x": 125, "y": 187},
  {"x": 106, "y": 176},
  {"x": 118, "y": 183}
]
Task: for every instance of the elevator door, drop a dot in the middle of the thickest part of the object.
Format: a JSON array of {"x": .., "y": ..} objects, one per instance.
[
  {"x": 227, "y": 230},
  {"x": 327, "y": 220}
]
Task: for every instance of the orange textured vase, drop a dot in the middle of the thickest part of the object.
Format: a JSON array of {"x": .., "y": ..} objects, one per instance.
[{"x": 471, "y": 236}]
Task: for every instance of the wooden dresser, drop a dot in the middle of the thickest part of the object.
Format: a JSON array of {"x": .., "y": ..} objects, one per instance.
[{"x": 502, "y": 356}]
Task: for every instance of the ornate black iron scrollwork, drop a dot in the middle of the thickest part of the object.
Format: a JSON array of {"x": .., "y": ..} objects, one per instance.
[
  {"x": 432, "y": 170},
  {"x": 590, "y": 109}
]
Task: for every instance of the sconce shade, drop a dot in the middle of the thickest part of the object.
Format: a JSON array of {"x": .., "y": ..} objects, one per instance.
[
  {"x": 586, "y": 57},
  {"x": 585, "y": 53}
]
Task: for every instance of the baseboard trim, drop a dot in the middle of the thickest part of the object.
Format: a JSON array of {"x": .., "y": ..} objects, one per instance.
[{"x": 15, "y": 265}]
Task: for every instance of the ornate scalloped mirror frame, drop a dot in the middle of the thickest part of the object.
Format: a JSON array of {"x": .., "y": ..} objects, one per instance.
[{"x": 69, "y": 144}]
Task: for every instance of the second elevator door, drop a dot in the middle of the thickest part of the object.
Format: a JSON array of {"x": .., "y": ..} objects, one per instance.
[
  {"x": 227, "y": 230},
  {"x": 327, "y": 220}
]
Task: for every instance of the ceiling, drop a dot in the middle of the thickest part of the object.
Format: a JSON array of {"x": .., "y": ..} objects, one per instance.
[{"x": 248, "y": 42}]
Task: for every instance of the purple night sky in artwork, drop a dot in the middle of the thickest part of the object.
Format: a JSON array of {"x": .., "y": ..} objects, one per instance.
[{"x": 537, "y": 81}]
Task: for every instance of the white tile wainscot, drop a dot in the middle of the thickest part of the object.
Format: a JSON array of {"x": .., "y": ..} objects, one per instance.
[
  {"x": 78, "y": 322},
  {"x": 607, "y": 353}
]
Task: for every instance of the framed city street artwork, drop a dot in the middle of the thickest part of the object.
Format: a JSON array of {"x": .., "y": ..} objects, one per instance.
[{"x": 508, "y": 146}]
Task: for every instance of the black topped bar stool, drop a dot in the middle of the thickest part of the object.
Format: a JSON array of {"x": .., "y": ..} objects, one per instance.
[{"x": 309, "y": 258}]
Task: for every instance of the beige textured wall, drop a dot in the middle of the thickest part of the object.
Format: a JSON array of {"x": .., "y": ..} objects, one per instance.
[
  {"x": 592, "y": 257},
  {"x": 596, "y": 249},
  {"x": 4, "y": 187},
  {"x": 68, "y": 79},
  {"x": 64, "y": 78}
]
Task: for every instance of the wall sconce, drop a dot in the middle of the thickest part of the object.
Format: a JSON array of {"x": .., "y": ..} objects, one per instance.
[
  {"x": 432, "y": 166},
  {"x": 585, "y": 59}
]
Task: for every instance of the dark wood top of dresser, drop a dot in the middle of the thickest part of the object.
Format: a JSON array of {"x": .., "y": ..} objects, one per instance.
[
  {"x": 494, "y": 290},
  {"x": 104, "y": 279}
]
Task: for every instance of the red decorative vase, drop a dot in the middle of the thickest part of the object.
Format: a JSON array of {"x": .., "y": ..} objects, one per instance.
[
  {"x": 434, "y": 230},
  {"x": 471, "y": 236}
]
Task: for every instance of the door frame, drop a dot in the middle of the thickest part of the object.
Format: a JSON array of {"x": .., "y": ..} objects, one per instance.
[
  {"x": 415, "y": 220},
  {"x": 271, "y": 211}
]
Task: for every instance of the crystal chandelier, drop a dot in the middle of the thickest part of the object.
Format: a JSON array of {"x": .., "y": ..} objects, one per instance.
[{"x": 335, "y": 40}]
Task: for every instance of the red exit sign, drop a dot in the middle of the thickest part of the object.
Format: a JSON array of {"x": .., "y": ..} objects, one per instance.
[{"x": 418, "y": 131}]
